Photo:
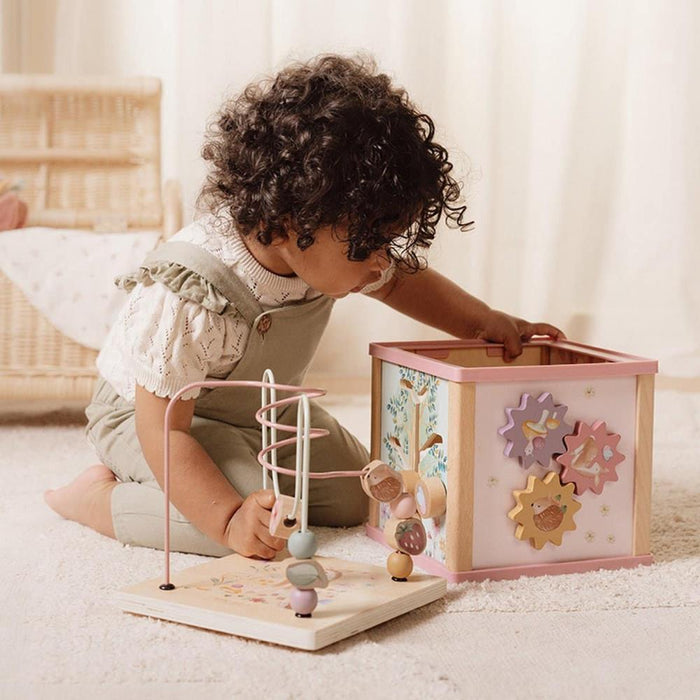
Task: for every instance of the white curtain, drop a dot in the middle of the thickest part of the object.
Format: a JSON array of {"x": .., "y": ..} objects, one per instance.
[{"x": 573, "y": 124}]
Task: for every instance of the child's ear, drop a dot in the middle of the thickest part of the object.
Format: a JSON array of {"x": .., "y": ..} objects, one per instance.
[
  {"x": 286, "y": 234},
  {"x": 279, "y": 237}
]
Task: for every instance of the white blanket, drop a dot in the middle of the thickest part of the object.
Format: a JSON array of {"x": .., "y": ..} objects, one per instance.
[{"x": 68, "y": 275}]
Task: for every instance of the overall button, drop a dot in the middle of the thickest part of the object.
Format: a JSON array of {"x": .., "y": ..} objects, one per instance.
[{"x": 264, "y": 324}]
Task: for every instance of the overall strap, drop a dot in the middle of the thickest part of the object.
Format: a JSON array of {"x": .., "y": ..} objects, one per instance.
[{"x": 210, "y": 268}]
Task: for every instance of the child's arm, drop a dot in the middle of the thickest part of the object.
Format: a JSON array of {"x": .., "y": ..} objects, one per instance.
[
  {"x": 429, "y": 297},
  {"x": 198, "y": 488}
]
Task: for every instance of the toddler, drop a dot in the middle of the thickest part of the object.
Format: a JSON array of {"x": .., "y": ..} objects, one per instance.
[{"x": 323, "y": 182}]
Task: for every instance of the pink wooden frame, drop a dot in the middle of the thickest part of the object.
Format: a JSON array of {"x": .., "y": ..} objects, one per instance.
[
  {"x": 435, "y": 568},
  {"x": 429, "y": 357}
]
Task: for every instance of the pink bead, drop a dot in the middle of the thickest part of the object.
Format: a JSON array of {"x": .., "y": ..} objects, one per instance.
[
  {"x": 303, "y": 602},
  {"x": 404, "y": 506}
]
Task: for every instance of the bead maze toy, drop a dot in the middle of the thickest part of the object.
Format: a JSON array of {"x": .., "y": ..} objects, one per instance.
[
  {"x": 277, "y": 601},
  {"x": 537, "y": 466}
]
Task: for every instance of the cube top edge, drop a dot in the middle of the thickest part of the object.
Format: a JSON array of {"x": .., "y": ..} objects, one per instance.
[{"x": 541, "y": 359}]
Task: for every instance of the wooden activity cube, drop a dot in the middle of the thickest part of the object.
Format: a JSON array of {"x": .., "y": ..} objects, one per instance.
[{"x": 546, "y": 460}]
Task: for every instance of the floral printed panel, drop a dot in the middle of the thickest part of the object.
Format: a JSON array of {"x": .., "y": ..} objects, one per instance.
[{"x": 410, "y": 400}]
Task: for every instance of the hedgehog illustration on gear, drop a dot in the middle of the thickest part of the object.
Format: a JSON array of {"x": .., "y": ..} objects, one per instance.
[{"x": 544, "y": 510}]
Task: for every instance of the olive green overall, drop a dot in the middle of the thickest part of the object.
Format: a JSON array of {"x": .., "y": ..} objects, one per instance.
[{"x": 284, "y": 340}]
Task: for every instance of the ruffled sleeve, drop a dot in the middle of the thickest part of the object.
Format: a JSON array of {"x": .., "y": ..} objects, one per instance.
[
  {"x": 164, "y": 341},
  {"x": 181, "y": 281}
]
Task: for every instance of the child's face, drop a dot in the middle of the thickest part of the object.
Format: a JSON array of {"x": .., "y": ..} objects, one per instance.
[{"x": 324, "y": 265}]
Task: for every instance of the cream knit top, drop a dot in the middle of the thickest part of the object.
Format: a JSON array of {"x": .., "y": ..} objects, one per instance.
[{"x": 163, "y": 341}]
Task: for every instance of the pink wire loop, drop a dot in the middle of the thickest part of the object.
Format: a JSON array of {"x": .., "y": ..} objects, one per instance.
[{"x": 260, "y": 417}]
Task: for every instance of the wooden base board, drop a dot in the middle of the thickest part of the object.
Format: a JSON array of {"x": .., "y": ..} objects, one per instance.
[{"x": 249, "y": 598}]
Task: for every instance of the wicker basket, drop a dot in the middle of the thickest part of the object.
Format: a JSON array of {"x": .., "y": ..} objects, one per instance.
[{"x": 88, "y": 151}]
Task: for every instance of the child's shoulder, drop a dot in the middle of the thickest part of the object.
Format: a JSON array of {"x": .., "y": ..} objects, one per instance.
[
  {"x": 208, "y": 232},
  {"x": 199, "y": 231}
]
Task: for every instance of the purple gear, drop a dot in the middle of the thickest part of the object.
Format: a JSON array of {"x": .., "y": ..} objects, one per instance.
[{"x": 535, "y": 430}]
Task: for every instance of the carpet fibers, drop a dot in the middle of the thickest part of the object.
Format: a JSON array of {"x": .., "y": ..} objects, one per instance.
[{"x": 620, "y": 634}]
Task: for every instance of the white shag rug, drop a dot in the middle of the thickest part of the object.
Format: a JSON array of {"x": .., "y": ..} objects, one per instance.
[{"x": 617, "y": 634}]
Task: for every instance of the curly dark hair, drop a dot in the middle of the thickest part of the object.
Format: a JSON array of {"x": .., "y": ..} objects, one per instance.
[{"x": 331, "y": 142}]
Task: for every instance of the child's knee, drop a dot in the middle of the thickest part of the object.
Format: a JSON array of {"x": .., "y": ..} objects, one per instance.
[{"x": 346, "y": 505}]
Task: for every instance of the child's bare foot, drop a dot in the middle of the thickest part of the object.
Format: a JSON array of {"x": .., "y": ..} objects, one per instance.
[{"x": 87, "y": 499}]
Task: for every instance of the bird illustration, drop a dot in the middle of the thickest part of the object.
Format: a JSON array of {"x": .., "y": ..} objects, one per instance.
[
  {"x": 399, "y": 451},
  {"x": 418, "y": 397},
  {"x": 382, "y": 483},
  {"x": 433, "y": 439}
]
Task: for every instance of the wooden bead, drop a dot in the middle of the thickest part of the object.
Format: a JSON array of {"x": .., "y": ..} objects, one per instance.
[
  {"x": 431, "y": 497},
  {"x": 303, "y": 602},
  {"x": 281, "y": 525},
  {"x": 302, "y": 545},
  {"x": 380, "y": 482},
  {"x": 404, "y": 506},
  {"x": 306, "y": 574},
  {"x": 406, "y": 534},
  {"x": 399, "y": 565},
  {"x": 410, "y": 480}
]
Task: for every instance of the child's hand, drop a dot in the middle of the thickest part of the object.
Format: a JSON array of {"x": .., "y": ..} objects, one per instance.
[
  {"x": 512, "y": 331},
  {"x": 248, "y": 531}
]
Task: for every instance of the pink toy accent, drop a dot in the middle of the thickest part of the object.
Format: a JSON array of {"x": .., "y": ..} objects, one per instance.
[
  {"x": 303, "y": 601},
  {"x": 260, "y": 417},
  {"x": 591, "y": 458},
  {"x": 282, "y": 524},
  {"x": 374, "y": 601},
  {"x": 472, "y": 385},
  {"x": 429, "y": 357},
  {"x": 429, "y": 565},
  {"x": 404, "y": 506},
  {"x": 535, "y": 430},
  {"x": 496, "y": 477}
]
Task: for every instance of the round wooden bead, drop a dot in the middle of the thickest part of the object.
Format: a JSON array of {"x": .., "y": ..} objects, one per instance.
[
  {"x": 406, "y": 534},
  {"x": 431, "y": 497},
  {"x": 303, "y": 602},
  {"x": 404, "y": 506},
  {"x": 399, "y": 565},
  {"x": 302, "y": 545}
]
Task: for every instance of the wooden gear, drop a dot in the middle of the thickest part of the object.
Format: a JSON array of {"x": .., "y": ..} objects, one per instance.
[{"x": 545, "y": 510}]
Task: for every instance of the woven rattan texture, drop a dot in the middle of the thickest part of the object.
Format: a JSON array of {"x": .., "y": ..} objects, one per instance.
[{"x": 88, "y": 153}]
